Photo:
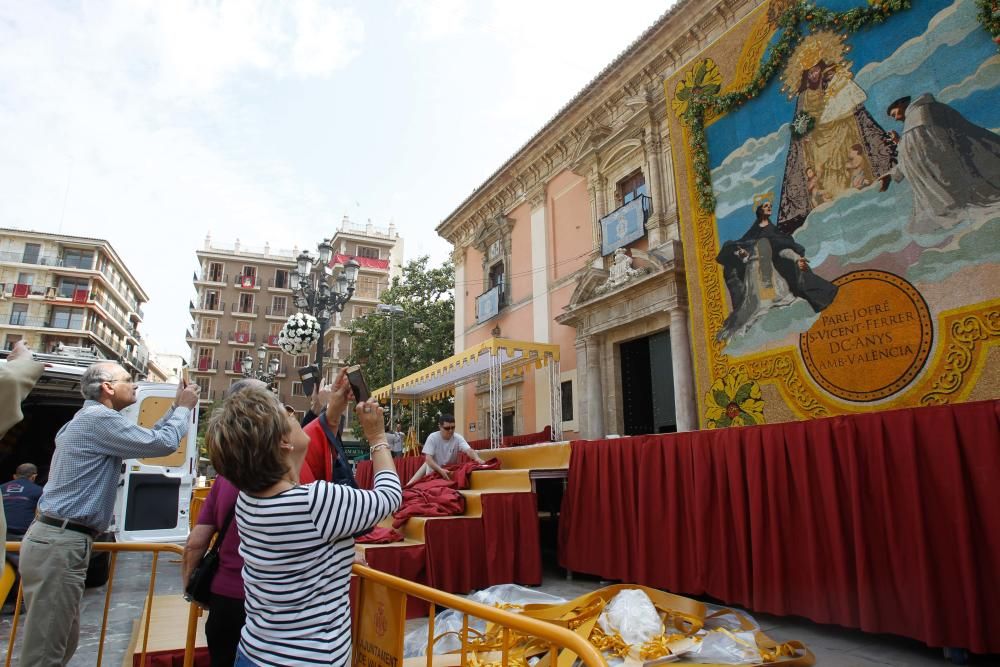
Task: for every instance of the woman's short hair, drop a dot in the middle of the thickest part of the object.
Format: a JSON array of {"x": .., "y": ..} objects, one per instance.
[{"x": 244, "y": 437}]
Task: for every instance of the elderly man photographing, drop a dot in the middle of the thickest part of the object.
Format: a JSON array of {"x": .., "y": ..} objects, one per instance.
[
  {"x": 78, "y": 503},
  {"x": 441, "y": 449}
]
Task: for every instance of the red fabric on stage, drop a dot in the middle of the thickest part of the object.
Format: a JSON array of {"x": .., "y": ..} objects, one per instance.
[
  {"x": 510, "y": 528},
  {"x": 380, "y": 535},
  {"x": 429, "y": 497},
  {"x": 461, "y": 472},
  {"x": 172, "y": 658},
  {"x": 888, "y": 522},
  {"x": 456, "y": 555},
  {"x": 406, "y": 467},
  {"x": 405, "y": 561},
  {"x": 545, "y": 435}
]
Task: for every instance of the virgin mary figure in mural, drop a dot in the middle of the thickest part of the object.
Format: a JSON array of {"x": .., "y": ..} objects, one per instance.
[
  {"x": 764, "y": 269},
  {"x": 836, "y": 143}
]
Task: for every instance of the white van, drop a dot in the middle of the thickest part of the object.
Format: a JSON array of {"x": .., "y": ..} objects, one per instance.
[{"x": 154, "y": 494}]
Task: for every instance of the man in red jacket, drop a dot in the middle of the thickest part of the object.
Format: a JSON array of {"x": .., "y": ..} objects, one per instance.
[{"x": 326, "y": 458}]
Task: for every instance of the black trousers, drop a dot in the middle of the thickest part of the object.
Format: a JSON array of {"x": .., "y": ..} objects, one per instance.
[{"x": 226, "y": 617}]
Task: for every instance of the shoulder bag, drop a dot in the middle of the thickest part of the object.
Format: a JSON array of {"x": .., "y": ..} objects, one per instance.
[{"x": 199, "y": 586}]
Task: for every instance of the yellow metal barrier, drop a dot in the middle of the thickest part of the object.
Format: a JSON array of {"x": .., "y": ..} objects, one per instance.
[
  {"x": 115, "y": 549},
  {"x": 555, "y": 636}
]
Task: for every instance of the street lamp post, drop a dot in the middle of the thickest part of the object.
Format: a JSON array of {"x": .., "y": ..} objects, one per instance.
[
  {"x": 315, "y": 295},
  {"x": 264, "y": 373},
  {"x": 390, "y": 311}
]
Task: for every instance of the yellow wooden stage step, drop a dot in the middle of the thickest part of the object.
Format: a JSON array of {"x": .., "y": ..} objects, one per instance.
[
  {"x": 548, "y": 456},
  {"x": 503, "y": 481}
]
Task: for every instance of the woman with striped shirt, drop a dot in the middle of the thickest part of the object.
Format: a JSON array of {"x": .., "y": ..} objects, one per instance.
[{"x": 295, "y": 540}]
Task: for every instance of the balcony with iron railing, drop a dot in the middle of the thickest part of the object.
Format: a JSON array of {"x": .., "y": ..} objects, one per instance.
[
  {"x": 247, "y": 282},
  {"x": 243, "y": 310},
  {"x": 29, "y": 258},
  {"x": 625, "y": 224},
  {"x": 275, "y": 284},
  {"x": 272, "y": 340},
  {"x": 489, "y": 303},
  {"x": 205, "y": 365},
  {"x": 279, "y": 313},
  {"x": 211, "y": 278},
  {"x": 208, "y": 306},
  {"x": 203, "y": 334},
  {"x": 242, "y": 338}
]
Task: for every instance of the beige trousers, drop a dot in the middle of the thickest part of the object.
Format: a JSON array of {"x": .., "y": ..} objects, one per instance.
[{"x": 53, "y": 571}]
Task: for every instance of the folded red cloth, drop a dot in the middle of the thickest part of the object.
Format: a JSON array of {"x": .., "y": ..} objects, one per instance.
[
  {"x": 461, "y": 473},
  {"x": 429, "y": 497},
  {"x": 380, "y": 535}
]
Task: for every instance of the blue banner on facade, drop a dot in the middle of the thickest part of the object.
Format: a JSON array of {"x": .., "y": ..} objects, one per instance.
[
  {"x": 488, "y": 304},
  {"x": 623, "y": 225}
]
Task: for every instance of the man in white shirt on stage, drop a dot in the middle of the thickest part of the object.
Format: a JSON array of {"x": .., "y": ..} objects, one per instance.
[{"x": 442, "y": 449}]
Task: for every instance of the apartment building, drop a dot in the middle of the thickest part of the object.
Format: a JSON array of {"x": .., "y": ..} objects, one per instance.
[
  {"x": 244, "y": 296},
  {"x": 70, "y": 290}
]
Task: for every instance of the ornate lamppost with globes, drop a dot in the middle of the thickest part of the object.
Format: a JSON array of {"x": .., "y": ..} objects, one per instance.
[
  {"x": 314, "y": 293},
  {"x": 264, "y": 372}
]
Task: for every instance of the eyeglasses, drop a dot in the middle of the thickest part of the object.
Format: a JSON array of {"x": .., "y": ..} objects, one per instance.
[
  {"x": 129, "y": 381},
  {"x": 448, "y": 428}
]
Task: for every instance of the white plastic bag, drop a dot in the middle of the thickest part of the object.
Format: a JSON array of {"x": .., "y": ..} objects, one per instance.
[
  {"x": 720, "y": 648},
  {"x": 632, "y": 615},
  {"x": 415, "y": 641}
]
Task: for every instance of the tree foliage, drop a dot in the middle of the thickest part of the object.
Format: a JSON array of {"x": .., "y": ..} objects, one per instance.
[{"x": 424, "y": 334}]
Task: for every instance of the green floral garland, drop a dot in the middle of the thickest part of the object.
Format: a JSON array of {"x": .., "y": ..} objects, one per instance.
[
  {"x": 793, "y": 20},
  {"x": 989, "y": 16}
]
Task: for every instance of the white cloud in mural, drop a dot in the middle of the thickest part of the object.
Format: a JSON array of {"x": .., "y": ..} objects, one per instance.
[
  {"x": 984, "y": 78},
  {"x": 949, "y": 27},
  {"x": 741, "y": 175}
]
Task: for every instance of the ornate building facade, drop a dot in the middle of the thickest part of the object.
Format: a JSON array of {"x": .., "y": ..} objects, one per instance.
[{"x": 539, "y": 238}]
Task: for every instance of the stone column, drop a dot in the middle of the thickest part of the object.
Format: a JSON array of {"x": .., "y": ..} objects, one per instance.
[
  {"x": 581, "y": 388},
  {"x": 458, "y": 259},
  {"x": 598, "y": 206},
  {"x": 684, "y": 388},
  {"x": 595, "y": 390},
  {"x": 540, "y": 303},
  {"x": 651, "y": 148}
]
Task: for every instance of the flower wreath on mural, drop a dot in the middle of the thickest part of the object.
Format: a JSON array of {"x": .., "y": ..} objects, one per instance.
[
  {"x": 697, "y": 94},
  {"x": 734, "y": 400}
]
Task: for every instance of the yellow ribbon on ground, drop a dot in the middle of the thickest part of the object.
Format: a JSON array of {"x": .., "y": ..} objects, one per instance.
[{"x": 682, "y": 619}]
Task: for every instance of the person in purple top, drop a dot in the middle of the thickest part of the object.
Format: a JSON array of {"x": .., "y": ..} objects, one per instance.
[
  {"x": 225, "y": 610},
  {"x": 226, "y": 615}
]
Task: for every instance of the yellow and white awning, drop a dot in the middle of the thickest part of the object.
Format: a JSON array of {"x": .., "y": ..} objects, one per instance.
[{"x": 440, "y": 379}]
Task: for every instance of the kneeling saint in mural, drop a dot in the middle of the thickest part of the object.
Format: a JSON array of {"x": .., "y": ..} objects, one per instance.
[
  {"x": 764, "y": 269},
  {"x": 950, "y": 162}
]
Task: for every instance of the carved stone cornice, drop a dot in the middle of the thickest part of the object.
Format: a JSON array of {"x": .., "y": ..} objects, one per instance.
[{"x": 536, "y": 197}]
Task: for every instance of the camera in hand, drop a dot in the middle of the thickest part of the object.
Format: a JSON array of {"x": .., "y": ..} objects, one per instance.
[
  {"x": 358, "y": 385},
  {"x": 310, "y": 378}
]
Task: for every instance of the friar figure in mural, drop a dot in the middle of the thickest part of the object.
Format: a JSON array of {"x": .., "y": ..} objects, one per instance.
[
  {"x": 836, "y": 144},
  {"x": 951, "y": 163},
  {"x": 764, "y": 269}
]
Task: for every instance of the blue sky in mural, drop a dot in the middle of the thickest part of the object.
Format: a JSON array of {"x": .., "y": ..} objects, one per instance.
[{"x": 935, "y": 47}]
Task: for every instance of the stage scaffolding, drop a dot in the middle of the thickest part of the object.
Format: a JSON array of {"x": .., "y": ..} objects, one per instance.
[{"x": 496, "y": 359}]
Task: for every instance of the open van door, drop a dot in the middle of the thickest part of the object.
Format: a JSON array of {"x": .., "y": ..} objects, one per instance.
[{"x": 154, "y": 494}]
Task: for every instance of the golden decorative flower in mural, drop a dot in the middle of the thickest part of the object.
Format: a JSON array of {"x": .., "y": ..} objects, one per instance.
[
  {"x": 734, "y": 400},
  {"x": 824, "y": 49},
  {"x": 703, "y": 78}
]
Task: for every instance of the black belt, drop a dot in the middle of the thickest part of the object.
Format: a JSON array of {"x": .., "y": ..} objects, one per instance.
[{"x": 67, "y": 525}]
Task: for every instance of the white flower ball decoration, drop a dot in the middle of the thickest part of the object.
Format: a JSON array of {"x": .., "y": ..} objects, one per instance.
[{"x": 301, "y": 330}]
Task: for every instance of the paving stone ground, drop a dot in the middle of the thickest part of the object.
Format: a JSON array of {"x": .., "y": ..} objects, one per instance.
[{"x": 834, "y": 646}]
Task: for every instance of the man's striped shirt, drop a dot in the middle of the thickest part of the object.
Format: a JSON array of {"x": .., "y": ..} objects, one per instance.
[{"x": 298, "y": 551}]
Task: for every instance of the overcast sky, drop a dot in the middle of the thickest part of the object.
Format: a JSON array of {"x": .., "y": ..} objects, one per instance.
[{"x": 152, "y": 122}]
